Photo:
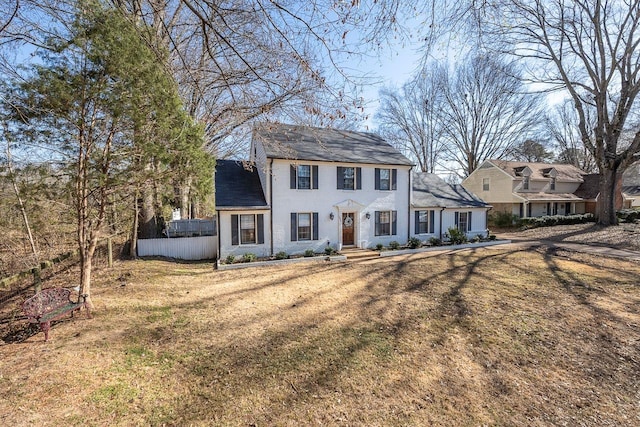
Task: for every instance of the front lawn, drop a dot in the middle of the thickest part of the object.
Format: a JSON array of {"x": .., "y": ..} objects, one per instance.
[{"x": 491, "y": 336}]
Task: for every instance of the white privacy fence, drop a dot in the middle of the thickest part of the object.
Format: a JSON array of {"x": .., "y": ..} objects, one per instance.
[{"x": 187, "y": 239}]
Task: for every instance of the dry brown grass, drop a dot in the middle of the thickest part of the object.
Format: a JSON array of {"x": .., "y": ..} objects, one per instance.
[{"x": 495, "y": 336}]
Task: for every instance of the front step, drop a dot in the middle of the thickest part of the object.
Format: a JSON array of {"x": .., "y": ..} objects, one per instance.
[{"x": 357, "y": 254}]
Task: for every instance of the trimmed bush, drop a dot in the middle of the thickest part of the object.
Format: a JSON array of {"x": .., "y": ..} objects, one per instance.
[
  {"x": 309, "y": 253},
  {"x": 379, "y": 246},
  {"x": 394, "y": 245},
  {"x": 550, "y": 221},
  {"x": 414, "y": 242},
  {"x": 434, "y": 241},
  {"x": 282, "y": 255},
  {"x": 229, "y": 259},
  {"x": 329, "y": 250},
  {"x": 628, "y": 215}
]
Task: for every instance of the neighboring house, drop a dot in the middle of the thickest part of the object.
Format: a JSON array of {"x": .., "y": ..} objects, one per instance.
[
  {"x": 308, "y": 188},
  {"x": 631, "y": 186},
  {"x": 529, "y": 189},
  {"x": 437, "y": 206}
]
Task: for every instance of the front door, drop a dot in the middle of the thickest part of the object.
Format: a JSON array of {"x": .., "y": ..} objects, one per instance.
[{"x": 348, "y": 227}]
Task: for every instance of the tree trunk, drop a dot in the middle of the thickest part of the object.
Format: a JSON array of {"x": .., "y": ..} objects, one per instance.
[
  {"x": 86, "y": 261},
  {"x": 148, "y": 227},
  {"x": 133, "y": 247},
  {"x": 606, "y": 206}
]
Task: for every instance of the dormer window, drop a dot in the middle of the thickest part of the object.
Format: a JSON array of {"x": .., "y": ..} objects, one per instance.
[
  {"x": 525, "y": 182},
  {"x": 552, "y": 184}
]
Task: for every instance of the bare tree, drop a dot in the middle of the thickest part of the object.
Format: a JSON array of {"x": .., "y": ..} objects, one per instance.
[
  {"x": 487, "y": 110},
  {"x": 589, "y": 49},
  {"x": 563, "y": 127},
  {"x": 410, "y": 118},
  {"x": 531, "y": 150}
]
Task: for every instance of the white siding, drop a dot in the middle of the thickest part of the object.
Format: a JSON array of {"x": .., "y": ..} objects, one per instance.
[
  {"x": 478, "y": 221},
  {"x": 224, "y": 234},
  {"x": 328, "y": 199}
]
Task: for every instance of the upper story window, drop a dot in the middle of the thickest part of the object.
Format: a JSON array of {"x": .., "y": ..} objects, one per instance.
[
  {"x": 552, "y": 184},
  {"x": 386, "y": 179},
  {"x": 304, "y": 177},
  {"x": 485, "y": 184},
  {"x": 525, "y": 182},
  {"x": 349, "y": 178}
]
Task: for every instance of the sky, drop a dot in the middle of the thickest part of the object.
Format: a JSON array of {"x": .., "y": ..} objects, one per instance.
[{"x": 392, "y": 69}]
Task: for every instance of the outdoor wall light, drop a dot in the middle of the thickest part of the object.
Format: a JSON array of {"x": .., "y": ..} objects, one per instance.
[
  {"x": 368, "y": 215},
  {"x": 331, "y": 216}
]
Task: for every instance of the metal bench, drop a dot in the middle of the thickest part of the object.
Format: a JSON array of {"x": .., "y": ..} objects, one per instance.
[{"x": 52, "y": 304}]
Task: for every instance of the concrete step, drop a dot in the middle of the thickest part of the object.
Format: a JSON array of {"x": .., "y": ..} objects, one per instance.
[{"x": 357, "y": 254}]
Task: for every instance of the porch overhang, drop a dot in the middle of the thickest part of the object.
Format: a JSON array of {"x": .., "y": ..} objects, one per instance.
[{"x": 349, "y": 205}]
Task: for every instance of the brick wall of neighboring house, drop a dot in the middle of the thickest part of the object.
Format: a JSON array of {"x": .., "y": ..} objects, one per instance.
[{"x": 619, "y": 201}]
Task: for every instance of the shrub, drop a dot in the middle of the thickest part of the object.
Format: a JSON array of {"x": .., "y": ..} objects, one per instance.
[
  {"x": 456, "y": 236},
  {"x": 476, "y": 238},
  {"x": 503, "y": 219},
  {"x": 414, "y": 242},
  {"x": 550, "y": 221},
  {"x": 394, "y": 245},
  {"x": 379, "y": 246},
  {"x": 282, "y": 255},
  {"x": 309, "y": 253},
  {"x": 492, "y": 237},
  {"x": 434, "y": 241},
  {"x": 628, "y": 215},
  {"x": 229, "y": 259},
  {"x": 329, "y": 250},
  {"x": 249, "y": 257}
]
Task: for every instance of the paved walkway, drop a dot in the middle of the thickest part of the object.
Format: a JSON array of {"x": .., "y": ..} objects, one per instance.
[{"x": 578, "y": 247}]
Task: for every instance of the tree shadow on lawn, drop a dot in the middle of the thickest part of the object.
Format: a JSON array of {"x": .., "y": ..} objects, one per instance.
[
  {"x": 354, "y": 358},
  {"x": 313, "y": 358}
]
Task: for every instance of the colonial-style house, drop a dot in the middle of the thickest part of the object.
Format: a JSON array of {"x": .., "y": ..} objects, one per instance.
[
  {"x": 307, "y": 188},
  {"x": 528, "y": 189},
  {"x": 437, "y": 206}
]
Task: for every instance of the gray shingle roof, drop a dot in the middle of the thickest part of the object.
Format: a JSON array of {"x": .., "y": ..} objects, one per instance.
[
  {"x": 550, "y": 197},
  {"x": 238, "y": 186},
  {"x": 429, "y": 190},
  {"x": 282, "y": 141},
  {"x": 564, "y": 172},
  {"x": 590, "y": 187}
]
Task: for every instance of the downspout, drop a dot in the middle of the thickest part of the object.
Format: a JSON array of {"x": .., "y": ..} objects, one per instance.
[
  {"x": 409, "y": 207},
  {"x": 271, "y": 206},
  {"x": 441, "y": 210},
  {"x": 217, "y": 238}
]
